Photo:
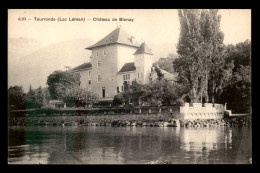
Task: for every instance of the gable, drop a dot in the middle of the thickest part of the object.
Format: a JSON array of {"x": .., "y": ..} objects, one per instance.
[{"x": 127, "y": 67}]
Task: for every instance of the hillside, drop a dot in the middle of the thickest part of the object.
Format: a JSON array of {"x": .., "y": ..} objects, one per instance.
[{"x": 33, "y": 66}]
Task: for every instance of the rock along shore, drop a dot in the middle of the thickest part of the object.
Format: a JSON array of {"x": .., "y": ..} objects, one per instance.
[{"x": 122, "y": 122}]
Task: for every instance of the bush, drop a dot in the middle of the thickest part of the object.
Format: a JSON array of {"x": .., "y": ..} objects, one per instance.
[
  {"x": 79, "y": 97},
  {"x": 117, "y": 101},
  {"x": 180, "y": 102}
]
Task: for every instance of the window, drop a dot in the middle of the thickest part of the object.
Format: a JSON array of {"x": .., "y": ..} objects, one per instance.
[
  {"x": 138, "y": 75},
  {"x": 104, "y": 53},
  {"x": 126, "y": 77},
  {"x": 97, "y": 53},
  {"x": 89, "y": 73},
  {"x": 99, "y": 63},
  {"x": 99, "y": 78},
  {"x": 117, "y": 88},
  {"x": 103, "y": 92},
  {"x": 89, "y": 82}
]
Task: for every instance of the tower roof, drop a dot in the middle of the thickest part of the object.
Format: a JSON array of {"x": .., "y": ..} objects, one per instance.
[
  {"x": 128, "y": 67},
  {"x": 82, "y": 67},
  {"x": 143, "y": 49},
  {"x": 118, "y": 36}
]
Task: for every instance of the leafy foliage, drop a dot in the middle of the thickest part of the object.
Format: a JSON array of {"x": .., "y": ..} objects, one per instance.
[
  {"x": 16, "y": 97},
  {"x": 237, "y": 92},
  {"x": 34, "y": 98},
  {"x": 159, "y": 92},
  {"x": 59, "y": 81},
  {"x": 159, "y": 73},
  {"x": 166, "y": 63},
  {"x": 78, "y": 97},
  {"x": 201, "y": 65}
]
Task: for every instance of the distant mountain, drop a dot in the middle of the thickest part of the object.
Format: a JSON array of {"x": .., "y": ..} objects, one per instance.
[
  {"x": 19, "y": 47},
  {"x": 33, "y": 68}
]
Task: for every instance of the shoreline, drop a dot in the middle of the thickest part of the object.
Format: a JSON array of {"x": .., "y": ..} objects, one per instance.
[{"x": 152, "y": 120}]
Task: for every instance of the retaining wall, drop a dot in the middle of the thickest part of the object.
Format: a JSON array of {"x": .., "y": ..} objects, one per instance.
[
  {"x": 197, "y": 111},
  {"x": 95, "y": 111}
]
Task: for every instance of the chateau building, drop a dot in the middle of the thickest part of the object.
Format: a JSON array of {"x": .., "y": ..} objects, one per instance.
[{"x": 115, "y": 59}]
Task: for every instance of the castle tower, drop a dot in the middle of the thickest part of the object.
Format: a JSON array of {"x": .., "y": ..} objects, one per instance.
[
  {"x": 143, "y": 63},
  {"x": 108, "y": 56}
]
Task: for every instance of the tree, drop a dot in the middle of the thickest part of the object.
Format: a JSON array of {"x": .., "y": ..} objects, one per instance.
[
  {"x": 46, "y": 96},
  {"x": 201, "y": 64},
  {"x": 16, "y": 97},
  {"x": 166, "y": 63},
  {"x": 39, "y": 97},
  {"x": 159, "y": 73},
  {"x": 161, "y": 92},
  {"x": 118, "y": 100},
  {"x": 189, "y": 48},
  {"x": 237, "y": 92},
  {"x": 34, "y": 98},
  {"x": 60, "y": 81},
  {"x": 30, "y": 99},
  {"x": 134, "y": 93}
]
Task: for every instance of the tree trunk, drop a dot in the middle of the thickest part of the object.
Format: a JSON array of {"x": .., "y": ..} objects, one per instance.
[
  {"x": 201, "y": 97},
  {"x": 206, "y": 90},
  {"x": 213, "y": 91}
]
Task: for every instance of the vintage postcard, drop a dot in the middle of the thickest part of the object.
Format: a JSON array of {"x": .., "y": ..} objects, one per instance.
[{"x": 129, "y": 86}]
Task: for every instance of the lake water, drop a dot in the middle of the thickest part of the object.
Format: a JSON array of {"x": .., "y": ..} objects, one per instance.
[{"x": 128, "y": 145}]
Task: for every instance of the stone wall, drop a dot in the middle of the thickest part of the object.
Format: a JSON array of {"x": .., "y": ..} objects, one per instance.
[{"x": 197, "y": 111}]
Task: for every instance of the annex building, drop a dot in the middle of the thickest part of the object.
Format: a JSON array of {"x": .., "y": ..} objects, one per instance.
[{"x": 115, "y": 59}]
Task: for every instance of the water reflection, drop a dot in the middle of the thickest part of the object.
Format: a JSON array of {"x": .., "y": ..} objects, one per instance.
[{"x": 128, "y": 145}]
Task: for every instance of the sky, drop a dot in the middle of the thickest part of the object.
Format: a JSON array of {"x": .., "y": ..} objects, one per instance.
[{"x": 156, "y": 26}]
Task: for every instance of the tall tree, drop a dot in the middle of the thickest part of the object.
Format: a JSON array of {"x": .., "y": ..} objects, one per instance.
[
  {"x": 30, "y": 98},
  {"x": 201, "y": 64},
  {"x": 39, "y": 97},
  {"x": 190, "y": 63},
  {"x": 217, "y": 70},
  {"x": 46, "y": 95}
]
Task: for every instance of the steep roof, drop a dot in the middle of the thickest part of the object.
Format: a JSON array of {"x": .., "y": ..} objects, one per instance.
[
  {"x": 143, "y": 49},
  {"x": 117, "y": 36},
  {"x": 128, "y": 67},
  {"x": 82, "y": 66}
]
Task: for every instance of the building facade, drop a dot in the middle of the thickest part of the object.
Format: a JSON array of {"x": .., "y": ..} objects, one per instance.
[{"x": 115, "y": 59}]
